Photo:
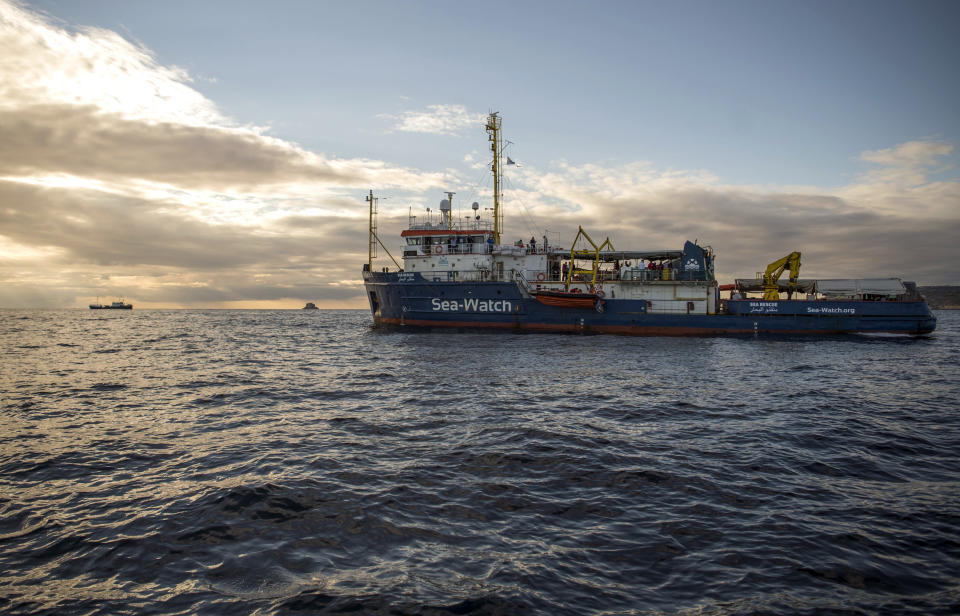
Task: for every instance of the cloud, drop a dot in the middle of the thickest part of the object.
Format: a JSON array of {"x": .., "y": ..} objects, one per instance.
[
  {"x": 123, "y": 246},
  {"x": 912, "y": 154},
  {"x": 891, "y": 221},
  {"x": 85, "y": 141},
  {"x": 92, "y": 104},
  {"x": 42, "y": 62},
  {"x": 117, "y": 177},
  {"x": 436, "y": 120},
  {"x": 113, "y": 168},
  {"x": 900, "y": 180}
]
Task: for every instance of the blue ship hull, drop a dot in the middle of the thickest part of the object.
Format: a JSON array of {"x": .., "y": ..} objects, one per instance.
[{"x": 409, "y": 300}]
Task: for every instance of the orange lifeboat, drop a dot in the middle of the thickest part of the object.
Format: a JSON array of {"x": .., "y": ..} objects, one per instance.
[{"x": 567, "y": 299}]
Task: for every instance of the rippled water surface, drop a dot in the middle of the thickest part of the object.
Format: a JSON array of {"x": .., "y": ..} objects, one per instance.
[{"x": 281, "y": 462}]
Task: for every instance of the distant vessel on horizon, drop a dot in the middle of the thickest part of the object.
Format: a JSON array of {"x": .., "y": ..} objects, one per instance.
[
  {"x": 117, "y": 305},
  {"x": 310, "y": 306}
]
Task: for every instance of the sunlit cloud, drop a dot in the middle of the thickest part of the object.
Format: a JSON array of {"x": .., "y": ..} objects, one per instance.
[
  {"x": 111, "y": 161},
  {"x": 42, "y": 62},
  {"x": 436, "y": 120},
  {"x": 13, "y": 251}
]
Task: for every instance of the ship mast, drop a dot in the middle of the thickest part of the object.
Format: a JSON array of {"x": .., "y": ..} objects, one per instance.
[
  {"x": 493, "y": 130},
  {"x": 373, "y": 233},
  {"x": 373, "y": 238}
]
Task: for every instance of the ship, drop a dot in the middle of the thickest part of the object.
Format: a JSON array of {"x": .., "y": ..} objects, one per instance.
[
  {"x": 457, "y": 273},
  {"x": 117, "y": 305}
]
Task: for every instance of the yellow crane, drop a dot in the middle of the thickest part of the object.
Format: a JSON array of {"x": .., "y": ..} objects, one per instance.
[
  {"x": 585, "y": 254},
  {"x": 771, "y": 290}
]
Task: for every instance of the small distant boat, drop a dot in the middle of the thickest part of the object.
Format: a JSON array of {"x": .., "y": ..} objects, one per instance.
[
  {"x": 117, "y": 305},
  {"x": 310, "y": 306}
]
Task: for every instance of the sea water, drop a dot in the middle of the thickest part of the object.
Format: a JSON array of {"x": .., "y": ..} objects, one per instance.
[{"x": 281, "y": 462}]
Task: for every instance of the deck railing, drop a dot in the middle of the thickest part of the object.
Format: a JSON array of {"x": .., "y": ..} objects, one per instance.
[
  {"x": 532, "y": 277},
  {"x": 425, "y": 250},
  {"x": 448, "y": 249}
]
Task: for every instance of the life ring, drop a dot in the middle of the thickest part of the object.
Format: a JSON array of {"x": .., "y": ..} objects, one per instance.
[
  {"x": 541, "y": 277},
  {"x": 574, "y": 290},
  {"x": 438, "y": 249}
]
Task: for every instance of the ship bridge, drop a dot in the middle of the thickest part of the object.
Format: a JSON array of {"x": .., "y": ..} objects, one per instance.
[{"x": 436, "y": 242}]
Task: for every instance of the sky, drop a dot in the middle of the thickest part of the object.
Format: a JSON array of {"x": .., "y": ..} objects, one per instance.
[{"x": 217, "y": 154}]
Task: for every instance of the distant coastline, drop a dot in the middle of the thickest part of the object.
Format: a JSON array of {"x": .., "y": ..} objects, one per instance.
[{"x": 942, "y": 297}]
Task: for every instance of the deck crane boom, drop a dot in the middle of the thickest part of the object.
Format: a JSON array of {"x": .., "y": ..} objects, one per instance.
[{"x": 771, "y": 290}]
